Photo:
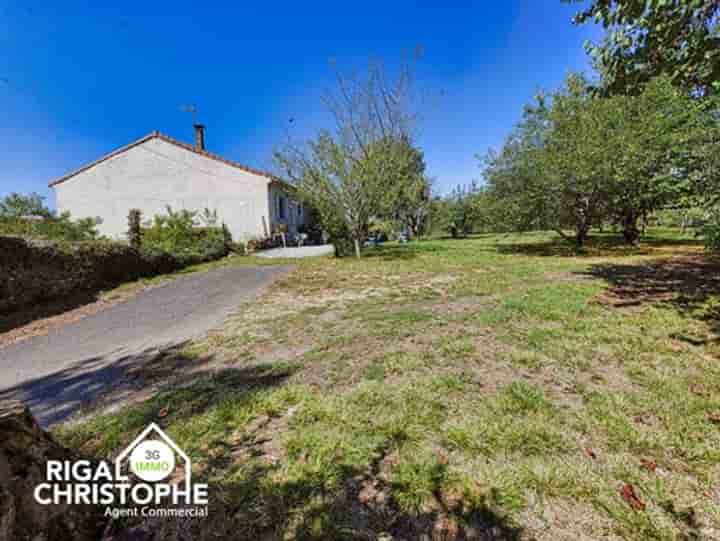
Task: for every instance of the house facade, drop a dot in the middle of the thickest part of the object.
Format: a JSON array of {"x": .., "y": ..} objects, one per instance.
[{"x": 156, "y": 171}]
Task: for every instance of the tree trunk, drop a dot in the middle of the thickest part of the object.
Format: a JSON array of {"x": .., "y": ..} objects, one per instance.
[
  {"x": 357, "y": 248},
  {"x": 631, "y": 233},
  {"x": 581, "y": 235}
]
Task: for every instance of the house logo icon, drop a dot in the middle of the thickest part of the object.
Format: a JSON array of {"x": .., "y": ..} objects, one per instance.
[{"x": 152, "y": 459}]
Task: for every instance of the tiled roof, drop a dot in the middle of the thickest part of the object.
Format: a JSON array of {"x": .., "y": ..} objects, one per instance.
[{"x": 172, "y": 141}]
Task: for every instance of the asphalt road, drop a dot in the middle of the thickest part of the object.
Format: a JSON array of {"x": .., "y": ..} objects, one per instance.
[{"x": 58, "y": 373}]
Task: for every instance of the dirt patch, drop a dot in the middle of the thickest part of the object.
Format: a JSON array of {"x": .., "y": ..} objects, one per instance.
[
  {"x": 261, "y": 438},
  {"x": 459, "y": 306},
  {"x": 564, "y": 520},
  {"x": 606, "y": 377}
]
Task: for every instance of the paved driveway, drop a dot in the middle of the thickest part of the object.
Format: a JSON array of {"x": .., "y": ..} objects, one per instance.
[
  {"x": 297, "y": 251},
  {"x": 57, "y": 373}
]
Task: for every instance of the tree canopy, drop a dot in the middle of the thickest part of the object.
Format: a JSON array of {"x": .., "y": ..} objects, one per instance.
[
  {"x": 366, "y": 166},
  {"x": 645, "y": 39},
  {"x": 578, "y": 160},
  {"x": 16, "y": 205}
]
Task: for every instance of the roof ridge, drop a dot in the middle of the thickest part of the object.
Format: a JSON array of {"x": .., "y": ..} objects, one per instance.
[
  {"x": 157, "y": 134},
  {"x": 214, "y": 156}
]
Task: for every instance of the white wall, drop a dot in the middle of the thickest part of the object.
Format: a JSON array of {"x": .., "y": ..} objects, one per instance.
[{"x": 157, "y": 173}]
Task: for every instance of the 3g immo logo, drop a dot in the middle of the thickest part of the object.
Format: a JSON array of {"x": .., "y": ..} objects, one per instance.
[{"x": 150, "y": 460}]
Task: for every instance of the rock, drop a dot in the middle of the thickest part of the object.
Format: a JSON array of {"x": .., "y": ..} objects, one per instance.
[{"x": 24, "y": 451}]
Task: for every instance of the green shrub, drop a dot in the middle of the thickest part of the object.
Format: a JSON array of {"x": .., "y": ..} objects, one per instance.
[
  {"x": 238, "y": 248},
  {"x": 457, "y": 213},
  {"x": 383, "y": 229},
  {"x": 711, "y": 231},
  {"x": 134, "y": 228},
  {"x": 177, "y": 232}
]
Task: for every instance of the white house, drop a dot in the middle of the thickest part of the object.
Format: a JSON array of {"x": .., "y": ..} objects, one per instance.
[{"x": 156, "y": 171}]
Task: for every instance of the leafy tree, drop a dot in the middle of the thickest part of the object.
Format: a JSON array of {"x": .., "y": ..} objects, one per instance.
[
  {"x": 579, "y": 160},
  {"x": 542, "y": 177},
  {"x": 457, "y": 213},
  {"x": 645, "y": 39},
  {"x": 406, "y": 200},
  {"x": 16, "y": 205},
  {"x": 711, "y": 229},
  {"x": 345, "y": 172},
  {"x": 27, "y": 216},
  {"x": 661, "y": 141},
  {"x": 516, "y": 180}
]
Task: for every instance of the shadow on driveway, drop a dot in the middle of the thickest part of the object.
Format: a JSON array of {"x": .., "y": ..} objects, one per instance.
[
  {"x": 92, "y": 382},
  {"x": 59, "y": 373}
]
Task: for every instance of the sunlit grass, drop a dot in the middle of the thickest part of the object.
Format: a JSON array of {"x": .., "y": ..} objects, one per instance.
[{"x": 455, "y": 384}]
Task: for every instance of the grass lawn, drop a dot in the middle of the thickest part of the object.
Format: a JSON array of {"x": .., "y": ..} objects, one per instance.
[{"x": 495, "y": 387}]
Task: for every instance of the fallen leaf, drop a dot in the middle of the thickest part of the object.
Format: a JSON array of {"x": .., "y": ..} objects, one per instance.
[
  {"x": 648, "y": 464},
  {"x": 163, "y": 413},
  {"x": 590, "y": 452},
  {"x": 628, "y": 494}
]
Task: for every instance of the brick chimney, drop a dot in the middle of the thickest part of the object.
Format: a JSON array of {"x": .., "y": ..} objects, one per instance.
[{"x": 199, "y": 136}]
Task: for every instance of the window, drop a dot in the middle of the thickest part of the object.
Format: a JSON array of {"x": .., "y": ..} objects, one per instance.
[{"x": 282, "y": 207}]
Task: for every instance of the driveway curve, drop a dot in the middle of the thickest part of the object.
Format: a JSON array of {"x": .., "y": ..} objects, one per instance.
[{"x": 58, "y": 372}]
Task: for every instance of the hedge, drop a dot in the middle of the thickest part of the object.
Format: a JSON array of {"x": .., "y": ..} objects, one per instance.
[{"x": 31, "y": 274}]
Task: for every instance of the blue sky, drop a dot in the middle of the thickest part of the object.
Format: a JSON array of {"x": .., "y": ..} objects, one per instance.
[{"x": 80, "y": 79}]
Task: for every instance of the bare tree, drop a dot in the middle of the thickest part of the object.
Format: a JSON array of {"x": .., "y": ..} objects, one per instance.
[{"x": 344, "y": 172}]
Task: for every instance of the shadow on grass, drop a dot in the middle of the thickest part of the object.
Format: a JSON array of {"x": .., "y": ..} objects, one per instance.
[
  {"x": 253, "y": 494},
  {"x": 685, "y": 283},
  {"x": 660, "y": 240},
  {"x": 607, "y": 245},
  {"x": 256, "y": 503},
  {"x": 410, "y": 250}
]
